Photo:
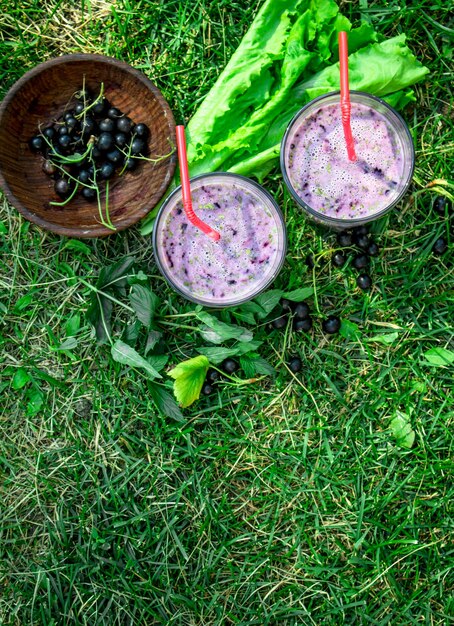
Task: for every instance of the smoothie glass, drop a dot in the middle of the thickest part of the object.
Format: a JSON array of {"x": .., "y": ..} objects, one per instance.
[
  {"x": 246, "y": 259},
  {"x": 331, "y": 189}
]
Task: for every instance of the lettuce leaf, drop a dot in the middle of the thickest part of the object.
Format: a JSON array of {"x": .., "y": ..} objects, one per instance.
[{"x": 288, "y": 56}]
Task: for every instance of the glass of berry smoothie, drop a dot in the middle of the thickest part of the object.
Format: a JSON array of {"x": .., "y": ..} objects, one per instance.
[
  {"x": 246, "y": 259},
  {"x": 331, "y": 189}
]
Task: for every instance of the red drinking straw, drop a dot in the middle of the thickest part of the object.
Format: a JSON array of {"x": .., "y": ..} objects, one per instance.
[
  {"x": 186, "y": 188},
  {"x": 345, "y": 95}
]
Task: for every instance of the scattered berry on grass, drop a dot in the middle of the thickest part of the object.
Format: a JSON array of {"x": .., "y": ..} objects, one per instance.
[
  {"x": 373, "y": 249},
  {"x": 364, "y": 282},
  {"x": 207, "y": 389},
  {"x": 440, "y": 204},
  {"x": 360, "y": 261},
  {"x": 229, "y": 366},
  {"x": 440, "y": 246},
  {"x": 295, "y": 364},
  {"x": 304, "y": 325},
  {"x": 339, "y": 259},
  {"x": 279, "y": 322},
  {"x": 302, "y": 310},
  {"x": 331, "y": 325}
]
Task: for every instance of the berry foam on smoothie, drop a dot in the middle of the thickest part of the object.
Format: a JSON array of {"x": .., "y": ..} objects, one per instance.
[
  {"x": 248, "y": 255},
  {"x": 319, "y": 172}
]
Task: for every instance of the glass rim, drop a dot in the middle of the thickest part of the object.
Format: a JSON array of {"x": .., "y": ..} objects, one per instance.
[
  {"x": 273, "y": 274},
  {"x": 328, "y": 219}
]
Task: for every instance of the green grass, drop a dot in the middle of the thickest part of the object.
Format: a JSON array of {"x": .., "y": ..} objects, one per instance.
[{"x": 285, "y": 501}]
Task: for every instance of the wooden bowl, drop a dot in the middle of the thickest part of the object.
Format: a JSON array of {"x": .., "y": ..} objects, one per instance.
[{"x": 39, "y": 98}]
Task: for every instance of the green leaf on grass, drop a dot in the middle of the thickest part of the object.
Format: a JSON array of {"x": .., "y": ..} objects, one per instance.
[
  {"x": 158, "y": 361},
  {"x": 153, "y": 338},
  {"x": 144, "y": 302},
  {"x": 124, "y": 354},
  {"x": 99, "y": 315},
  {"x": 165, "y": 402},
  {"x": 217, "y": 354},
  {"x": 220, "y": 330},
  {"x": 439, "y": 357},
  {"x": 115, "y": 276},
  {"x": 268, "y": 301},
  {"x": 78, "y": 246},
  {"x": 253, "y": 364},
  {"x": 68, "y": 344},
  {"x": 246, "y": 312},
  {"x": 189, "y": 377},
  {"x": 387, "y": 339},
  {"x": 401, "y": 429},
  {"x": 24, "y": 302},
  {"x": 35, "y": 402},
  {"x": 20, "y": 378},
  {"x": 297, "y": 295},
  {"x": 349, "y": 330},
  {"x": 72, "y": 325}
]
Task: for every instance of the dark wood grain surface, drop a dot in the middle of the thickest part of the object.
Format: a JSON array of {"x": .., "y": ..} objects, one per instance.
[{"x": 40, "y": 97}]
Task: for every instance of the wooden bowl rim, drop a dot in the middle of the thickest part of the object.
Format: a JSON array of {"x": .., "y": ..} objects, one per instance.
[{"x": 94, "y": 231}]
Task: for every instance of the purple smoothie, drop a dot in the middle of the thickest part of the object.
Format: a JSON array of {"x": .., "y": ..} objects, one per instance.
[
  {"x": 320, "y": 174},
  {"x": 246, "y": 258}
]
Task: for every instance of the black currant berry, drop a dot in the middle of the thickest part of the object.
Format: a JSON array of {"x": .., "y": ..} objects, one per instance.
[
  {"x": 207, "y": 389},
  {"x": 107, "y": 125},
  {"x": 130, "y": 164},
  {"x": 107, "y": 170},
  {"x": 213, "y": 375},
  {"x": 105, "y": 142},
  {"x": 49, "y": 168},
  {"x": 301, "y": 311},
  {"x": 115, "y": 156},
  {"x": 49, "y": 133},
  {"x": 100, "y": 107},
  {"x": 286, "y": 305},
  {"x": 360, "y": 261},
  {"x": 62, "y": 187},
  {"x": 71, "y": 122},
  {"x": 79, "y": 108},
  {"x": 89, "y": 194},
  {"x": 344, "y": 239},
  {"x": 331, "y": 325},
  {"x": 84, "y": 176},
  {"x": 364, "y": 281},
  {"x": 295, "y": 364},
  {"x": 280, "y": 322},
  {"x": 37, "y": 143},
  {"x": 124, "y": 124},
  {"x": 361, "y": 230},
  {"x": 120, "y": 139},
  {"x": 440, "y": 204},
  {"x": 304, "y": 325},
  {"x": 339, "y": 259},
  {"x": 87, "y": 126},
  {"x": 362, "y": 241},
  {"x": 64, "y": 141},
  {"x": 229, "y": 366},
  {"x": 141, "y": 130},
  {"x": 440, "y": 246},
  {"x": 114, "y": 113},
  {"x": 373, "y": 249},
  {"x": 138, "y": 146}
]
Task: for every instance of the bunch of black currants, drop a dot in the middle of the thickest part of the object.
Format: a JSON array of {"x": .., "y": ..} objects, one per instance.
[
  {"x": 444, "y": 208},
  {"x": 228, "y": 366},
  {"x": 90, "y": 143},
  {"x": 300, "y": 314},
  {"x": 366, "y": 248}
]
